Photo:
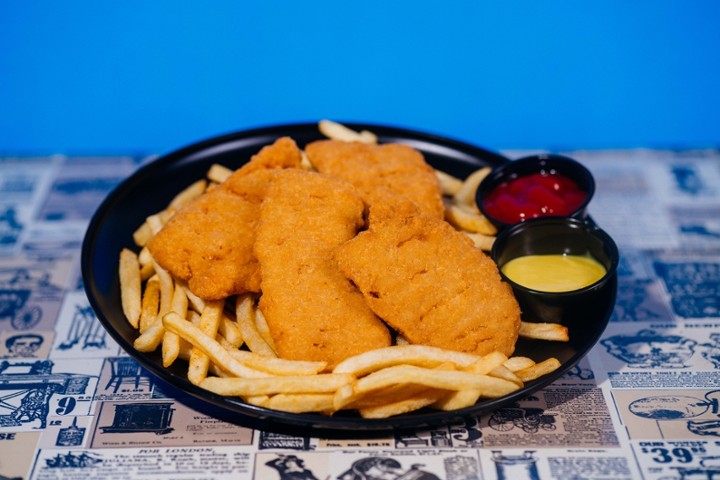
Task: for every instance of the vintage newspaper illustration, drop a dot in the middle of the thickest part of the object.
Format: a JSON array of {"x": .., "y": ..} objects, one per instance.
[{"x": 643, "y": 404}]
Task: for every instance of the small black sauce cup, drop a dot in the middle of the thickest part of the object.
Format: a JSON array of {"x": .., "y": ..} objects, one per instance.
[
  {"x": 542, "y": 163},
  {"x": 559, "y": 235}
]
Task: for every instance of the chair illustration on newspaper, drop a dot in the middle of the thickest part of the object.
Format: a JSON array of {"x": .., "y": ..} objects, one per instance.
[
  {"x": 85, "y": 331},
  {"x": 126, "y": 371}
]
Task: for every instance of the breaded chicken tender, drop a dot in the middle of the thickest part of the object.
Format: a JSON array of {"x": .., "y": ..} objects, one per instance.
[
  {"x": 313, "y": 311},
  {"x": 372, "y": 169},
  {"x": 209, "y": 242},
  {"x": 429, "y": 282}
]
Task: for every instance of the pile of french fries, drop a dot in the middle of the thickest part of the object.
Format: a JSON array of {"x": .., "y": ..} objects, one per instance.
[{"x": 229, "y": 350}]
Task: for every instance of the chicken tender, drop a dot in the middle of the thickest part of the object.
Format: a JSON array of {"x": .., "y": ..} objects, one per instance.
[
  {"x": 392, "y": 167},
  {"x": 429, "y": 282},
  {"x": 209, "y": 242},
  {"x": 312, "y": 310}
]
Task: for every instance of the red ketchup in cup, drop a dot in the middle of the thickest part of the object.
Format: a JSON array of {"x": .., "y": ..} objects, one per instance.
[{"x": 534, "y": 195}]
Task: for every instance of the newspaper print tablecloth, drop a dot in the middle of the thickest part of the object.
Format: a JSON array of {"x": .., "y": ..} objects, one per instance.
[{"x": 645, "y": 402}]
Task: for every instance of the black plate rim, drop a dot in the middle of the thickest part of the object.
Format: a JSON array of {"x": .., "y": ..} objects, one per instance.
[{"x": 317, "y": 422}]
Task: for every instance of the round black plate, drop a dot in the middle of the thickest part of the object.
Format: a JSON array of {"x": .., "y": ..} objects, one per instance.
[{"x": 152, "y": 187}]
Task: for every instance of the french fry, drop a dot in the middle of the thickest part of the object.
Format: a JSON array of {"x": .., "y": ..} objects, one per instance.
[
  {"x": 337, "y": 131},
  {"x": 165, "y": 215},
  {"x": 469, "y": 396},
  {"x": 209, "y": 323},
  {"x": 349, "y": 397},
  {"x": 142, "y": 235},
  {"x": 263, "y": 328},
  {"x": 171, "y": 342},
  {"x": 466, "y": 194},
  {"x": 490, "y": 387},
  {"x": 483, "y": 242},
  {"x": 185, "y": 352},
  {"x": 301, "y": 402},
  {"x": 146, "y": 271},
  {"x": 457, "y": 400},
  {"x": 538, "y": 370},
  {"x": 218, "y": 173},
  {"x": 427, "y": 397},
  {"x": 195, "y": 302},
  {"x": 470, "y": 222},
  {"x": 488, "y": 363},
  {"x": 149, "y": 340},
  {"x": 237, "y": 387},
  {"x": 245, "y": 316},
  {"x": 148, "y": 229},
  {"x": 394, "y": 400},
  {"x": 346, "y": 398},
  {"x": 472, "y": 208},
  {"x": 187, "y": 195},
  {"x": 220, "y": 339},
  {"x": 277, "y": 366},
  {"x": 167, "y": 287},
  {"x": 518, "y": 363},
  {"x": 217, "y": 354},
  {"x": 419, "y": 355},
  {"x": 449, "y": 185},
  {"x": 179, "y": 303},
  {"x": 257, "y": 400},
  {"x": 305, "y": 162},
  {"x": 229, "y": 329},
  {"x": 193, "y": 317},
  {"x": 501, "y": 371},
  {"x": 144, "y": 256},
  {"x": 130, "y": 286},
  {"x": 544, "y": 331},
  {"x": 156, "y": 222},
  {"x": 367, "y": 137},
  {"x": 150, "y": 304}
]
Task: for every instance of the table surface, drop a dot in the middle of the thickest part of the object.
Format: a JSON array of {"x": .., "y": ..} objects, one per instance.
[{"x": 644, "y": 403}]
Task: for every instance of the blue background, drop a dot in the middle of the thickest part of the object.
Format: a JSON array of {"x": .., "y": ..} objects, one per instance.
[{"x": 152, "y": 76}]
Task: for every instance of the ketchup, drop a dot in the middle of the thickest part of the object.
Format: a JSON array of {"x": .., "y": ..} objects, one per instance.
[{"x": 534, "y": 195}]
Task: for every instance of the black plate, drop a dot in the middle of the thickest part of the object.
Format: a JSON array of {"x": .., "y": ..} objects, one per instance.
[{"x": 152, "y": 187}]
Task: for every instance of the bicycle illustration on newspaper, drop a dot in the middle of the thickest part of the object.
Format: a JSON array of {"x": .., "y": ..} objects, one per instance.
[{"x": 17, "y": 287}]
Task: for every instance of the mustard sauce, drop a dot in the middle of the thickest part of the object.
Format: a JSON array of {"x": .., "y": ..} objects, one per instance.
[{"x": 554, "y": 273}]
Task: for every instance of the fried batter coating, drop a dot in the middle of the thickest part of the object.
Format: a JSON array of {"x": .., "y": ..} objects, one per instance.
[
  {"x": 429, "y": 282},
  {"x": 312, "y": 310},
  {"x": 209, "y": 242},
  {"x": 394, "y": 167}
]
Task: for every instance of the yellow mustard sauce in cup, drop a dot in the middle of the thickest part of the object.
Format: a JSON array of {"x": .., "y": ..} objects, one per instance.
[{"x": 554, "y": 273}]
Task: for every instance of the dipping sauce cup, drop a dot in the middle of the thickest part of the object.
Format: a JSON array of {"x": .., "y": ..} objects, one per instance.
[
  {"x": 567, "y": 245},
  {"x": 543, "y": 185}
]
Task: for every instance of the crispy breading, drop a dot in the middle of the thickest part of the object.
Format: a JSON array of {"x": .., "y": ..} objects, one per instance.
[
  {"x": 283, "y": 153},
  {"x": 312, "y": 310},
  {"x": 209, "y": 242},
  {"x": 394, "y": 167},
  {"x": 429, "y": 282}
]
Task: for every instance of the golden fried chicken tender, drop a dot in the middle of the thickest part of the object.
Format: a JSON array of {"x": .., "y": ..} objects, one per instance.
[
  {"x": 312, "y": 310},
  {"x": 393, "y": 167},
  {"x": 209, "y": 242},
  {"x": 429, "y": 282}
]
